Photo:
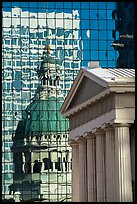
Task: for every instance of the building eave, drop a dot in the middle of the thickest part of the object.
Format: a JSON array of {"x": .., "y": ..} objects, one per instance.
[
  {"x": 118, "y": 85},
  {"x": 73, "y": 110},
  {"x": 114, "y": 87}
]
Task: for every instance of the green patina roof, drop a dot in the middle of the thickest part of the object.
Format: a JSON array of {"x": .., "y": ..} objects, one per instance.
[{"x": 42, "y": 116}]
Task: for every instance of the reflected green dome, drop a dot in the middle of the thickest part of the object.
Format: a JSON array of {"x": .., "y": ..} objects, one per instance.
[{"x": 42, "y": 116}]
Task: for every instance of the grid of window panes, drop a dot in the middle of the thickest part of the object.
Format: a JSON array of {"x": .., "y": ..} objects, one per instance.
[{"x": 78, "y": 32}]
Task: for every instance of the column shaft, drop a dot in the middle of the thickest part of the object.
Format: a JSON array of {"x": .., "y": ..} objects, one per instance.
[
  {"x": 91, "y": 168},
  {"x": 32, "y": 161},
  {"x": 110, "y": 165},
  {"x": 100, "y": 165},
  {"x": 123, "y": 164},
  {"x": 75, "y": 173},
  {"x": 82, "y": 171}
]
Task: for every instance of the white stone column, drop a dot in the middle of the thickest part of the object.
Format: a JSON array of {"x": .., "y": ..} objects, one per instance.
[
  {"x": 91, "y": 167},
  {"x": 100, "y": 165},
  {"x": 23, "y": 162},
  {"x": 75, "y": 171},
  {"x": 123, "y": 163},
  {"x": 43, "y": 166},
  {"x": 83, "y": 194},
  {"x": 110, "y": 164},
  {"x": 32, "y": 161},
  {"x": 54, "y": 159}
]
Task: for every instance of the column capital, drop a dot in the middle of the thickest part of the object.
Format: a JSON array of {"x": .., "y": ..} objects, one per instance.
[
  {"x": 121, "y": 125},
  {"x": 72, "y": 143},
  {"x": 98, "y": 131},
  {"x": 89, "y": 135},
  {"x": 109, "y": 128},
  {"x": 80, "y": 139}
]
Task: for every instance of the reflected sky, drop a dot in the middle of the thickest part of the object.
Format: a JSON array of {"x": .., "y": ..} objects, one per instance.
[{"x": 96, "y": 25}]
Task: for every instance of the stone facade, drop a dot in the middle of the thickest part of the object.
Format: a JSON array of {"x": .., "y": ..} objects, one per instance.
[{"x": 101, "y": 136}]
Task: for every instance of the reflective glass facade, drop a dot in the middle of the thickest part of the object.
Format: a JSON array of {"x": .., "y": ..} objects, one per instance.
[
  {"x": 77, "y": 32},
  {"x": 124, "y": 16}
]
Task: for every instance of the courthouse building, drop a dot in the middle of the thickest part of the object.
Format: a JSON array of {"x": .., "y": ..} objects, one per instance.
[{"x": 101, "y": 110}]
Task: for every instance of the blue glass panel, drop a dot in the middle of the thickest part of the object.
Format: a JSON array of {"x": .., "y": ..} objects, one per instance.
[
  {"x": 94, "y": 24},
  {"x": 93, "y": 5},
  {"x": 117, "y": 54},
  {"x": 74, "y": 65},
  {"x": 102, "y": 45},
  {"x": 111, "y": 55},
  {"x": 111, "y": 64},
  {"x": 17, "y": 84},
  {"x": 87, "y": 44},
  {"x": 111, "y": 24},
  {"x": 102, "y": 55},
  {"x": 109, "y": 47},
  {"x": 117, "y": 35},
  {"x": 94, "y": 45},
  {"x": 32, "y": 9},
  {"x": 33, "y": 4},
  {"x": 93, "y": 14},
  {"x": 6, "y": 4},
  {"x": 67, "y": 10},
  {"x": 109, "y": 34},
  {"x": 102, "y": 14},
  {"x": 102, "y": 24},
  {"x": 95, "y": 55},
  {"x": 102, "y": 35},
  {"x": 111, "y": 5},
  {"x": 67, "y": 4},
  {"x": 24, "y": 4},
  {"x": 16, "y": 4},
  {"x": 8, "y": 177},
  {"x": 103, "y": 63},
  {"x": 41, "y": 4},
  {"x": 94, "y": 34},
  {"x": 109, "y": 14},
  {"x": 18, "y": 63},
  {"x": 59, "y": 5},
  {"x": 102, "y": 5},
  {"x": 85, "y": 14},
  {"x": 85, "y": 5},
  {"x": 18, "y": 75},
  {"x": 84, "y": 34},
  {"x": 76, "y": 5},
  {"x": 86, "y": 56},
  {"x": 85, "y": 24}
]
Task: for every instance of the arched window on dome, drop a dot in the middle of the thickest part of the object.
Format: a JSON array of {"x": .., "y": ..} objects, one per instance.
[
  {"x": 44, "y": 80},
  {"x": 37, "y": 166},
  {"x": 47, "y": 164},
  {"x": 58, "y": 164},
  {"x": 27, "y": 166}
]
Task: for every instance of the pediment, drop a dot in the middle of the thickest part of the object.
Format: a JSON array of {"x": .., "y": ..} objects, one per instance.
[
  {"x": 92, "y": 84},
  {"x": 85, "y": 87},
  {"x": 86, "y": 90}
]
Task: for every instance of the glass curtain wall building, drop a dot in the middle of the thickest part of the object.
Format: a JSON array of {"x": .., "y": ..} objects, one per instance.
[
  {"x": 123, "y": 35},
  {"x": 77, "y": 32}
]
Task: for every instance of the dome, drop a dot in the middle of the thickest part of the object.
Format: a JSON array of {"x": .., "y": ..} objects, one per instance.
[{"x": 42, "y": 117}]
